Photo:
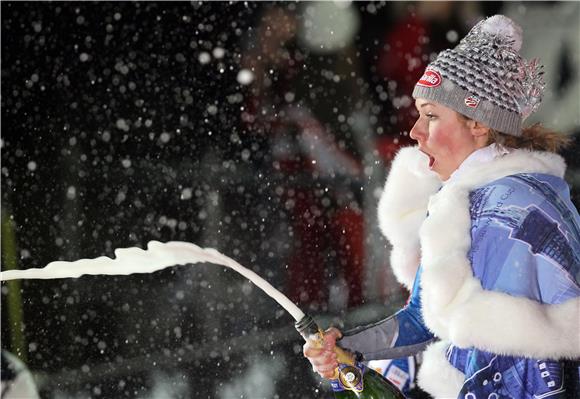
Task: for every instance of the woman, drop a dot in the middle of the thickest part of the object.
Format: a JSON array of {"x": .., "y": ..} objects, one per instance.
[{"x": 483, "y": 233}]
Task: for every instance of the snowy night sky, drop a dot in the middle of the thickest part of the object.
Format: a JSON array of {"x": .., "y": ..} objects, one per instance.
[{"x": 129, "y": 122}]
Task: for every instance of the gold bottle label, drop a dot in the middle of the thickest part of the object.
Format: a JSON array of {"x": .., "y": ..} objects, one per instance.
[{"x": 350, "y": 378}]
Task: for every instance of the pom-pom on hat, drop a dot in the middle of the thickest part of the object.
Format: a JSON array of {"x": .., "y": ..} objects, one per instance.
[{"x": 485, "y": 78}]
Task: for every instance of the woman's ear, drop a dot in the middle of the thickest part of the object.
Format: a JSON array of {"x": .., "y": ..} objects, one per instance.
[{"x": 478, "y": 129}]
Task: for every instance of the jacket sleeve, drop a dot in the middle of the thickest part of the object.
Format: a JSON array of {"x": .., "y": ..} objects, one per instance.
[{"x": 401, "y": 335}]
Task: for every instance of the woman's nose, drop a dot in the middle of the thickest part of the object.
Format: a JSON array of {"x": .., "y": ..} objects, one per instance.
[{"x": 417, "y": 132}]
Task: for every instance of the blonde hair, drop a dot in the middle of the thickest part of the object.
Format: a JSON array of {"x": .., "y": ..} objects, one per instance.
[{"x": 535, "y": 137}]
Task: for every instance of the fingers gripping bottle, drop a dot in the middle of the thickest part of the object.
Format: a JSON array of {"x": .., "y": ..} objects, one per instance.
[{"x": 352, "y": 379}]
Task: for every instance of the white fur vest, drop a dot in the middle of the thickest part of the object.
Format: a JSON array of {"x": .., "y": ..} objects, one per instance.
[{"x": 455, "y": 306}]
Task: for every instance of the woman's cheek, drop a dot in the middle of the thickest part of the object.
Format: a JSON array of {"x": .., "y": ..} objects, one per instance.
[{"x": 442, "y": 140}]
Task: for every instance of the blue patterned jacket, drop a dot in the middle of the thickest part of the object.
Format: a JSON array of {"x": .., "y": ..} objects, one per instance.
[{"x": 498, "y": 288}]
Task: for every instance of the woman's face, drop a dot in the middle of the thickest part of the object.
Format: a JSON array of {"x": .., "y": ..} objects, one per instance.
[{"x": 444, "y": 136}]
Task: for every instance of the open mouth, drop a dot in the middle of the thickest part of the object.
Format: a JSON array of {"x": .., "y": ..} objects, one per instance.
[{"x": 431, "y": 159}]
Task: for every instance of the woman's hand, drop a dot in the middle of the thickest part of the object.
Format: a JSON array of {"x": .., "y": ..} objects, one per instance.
[{"x": 323, "y": 359}]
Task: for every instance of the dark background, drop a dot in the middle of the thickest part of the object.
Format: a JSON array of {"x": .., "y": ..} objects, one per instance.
[{"x": 109, "y": 141}]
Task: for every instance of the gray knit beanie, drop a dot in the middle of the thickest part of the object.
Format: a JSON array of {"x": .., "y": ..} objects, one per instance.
[{"x": 485, "y": 78}]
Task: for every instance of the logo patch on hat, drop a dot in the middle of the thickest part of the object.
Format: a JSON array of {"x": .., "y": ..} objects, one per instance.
[
  {"x": 430, "y": 78},
  {"x": 472, "y": 101}
]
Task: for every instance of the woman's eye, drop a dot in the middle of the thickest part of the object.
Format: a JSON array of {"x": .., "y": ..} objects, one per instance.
[{"x": 430, "y": 116}]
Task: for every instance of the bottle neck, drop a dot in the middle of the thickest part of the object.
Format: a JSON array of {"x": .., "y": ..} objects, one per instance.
[{"x": 308, "y": 328}]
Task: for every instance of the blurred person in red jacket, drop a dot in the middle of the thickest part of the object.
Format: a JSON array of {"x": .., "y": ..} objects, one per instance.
[
  {"x": 326, "y": 221},
  {"x": 421, "y": 31}
]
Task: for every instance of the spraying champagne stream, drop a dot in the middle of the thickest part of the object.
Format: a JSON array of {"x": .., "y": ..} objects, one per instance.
[
  {"x": 156, "y": 257},
  {"x": 352, "y": 380}
]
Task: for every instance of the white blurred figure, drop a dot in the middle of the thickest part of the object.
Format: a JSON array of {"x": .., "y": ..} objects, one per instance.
[{"x": 17, "y": 381}]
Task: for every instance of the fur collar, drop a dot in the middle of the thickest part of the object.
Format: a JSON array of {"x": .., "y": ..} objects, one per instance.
[
  {"x": 402, "y": 210},
  {"x": 455, "y": 307}
]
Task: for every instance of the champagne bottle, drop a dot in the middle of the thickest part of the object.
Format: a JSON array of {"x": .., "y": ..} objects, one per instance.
[{"x": 352, "y": 379}]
